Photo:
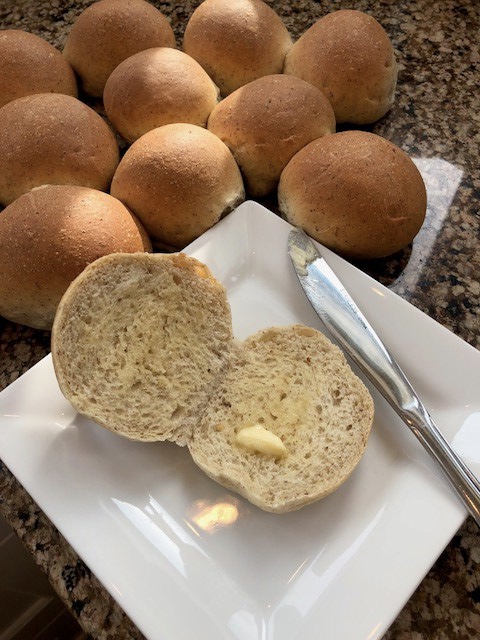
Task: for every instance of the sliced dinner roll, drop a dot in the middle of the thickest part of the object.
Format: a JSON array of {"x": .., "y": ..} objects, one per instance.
[
  {"x": 29, "y": 64},
  {"x": 143, "y": 345},
  {"x": 313, "y": 413},
  {"x": 265, "y": 122},
  {"x": 48, "y": 236},
  {"x": 349, "y": 56},
  {"x": 179, "y": 180},
  {"x": 354, "y": 192},
  {"x": 108, "y": 32},
  {"x": 49, "y": 138},
  {"x": 236, "y": 41},
  {"x": 156, "y": 87},
  {"x": 138, "y": 341}
]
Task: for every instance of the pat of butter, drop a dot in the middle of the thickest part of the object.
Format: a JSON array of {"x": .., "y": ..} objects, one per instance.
[{"x": 261, "y": 440}]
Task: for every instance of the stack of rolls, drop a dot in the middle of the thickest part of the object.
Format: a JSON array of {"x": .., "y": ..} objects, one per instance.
[{"x": 239, "y": 109}]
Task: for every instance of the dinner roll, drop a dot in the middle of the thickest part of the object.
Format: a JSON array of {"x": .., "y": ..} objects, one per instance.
[
  {"x": 156, "y": 87},
  {"x": 50, "y": 138},
  {"x": 170, "y": 322},
  {"x": 236, "y": 41},
  {"x": 48, "y": 236},
  {"x": 266, "y": 122},
  {"x": 280, "y": 417},
  {"x": 108, "y": 32},
  {"x": 287, "y": 422},
  {"x": 354, "y": 192},
  {"x": 29, "y": 64},
  {"x": 348, "y": 55},
  {"x": 179, "y": 180}
]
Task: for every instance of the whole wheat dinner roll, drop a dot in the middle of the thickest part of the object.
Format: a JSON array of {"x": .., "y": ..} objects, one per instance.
[
  {"x": 287, "y": 422},
  {"x": 50, "y": 138},
  {"x": 108, "y": 32},
  {"x": 156, "y": 87},
  {"x": 266, "y": 122},
  {"x": 179, "y": 180},
  {"x": 354, "y": 192},
  {"x": 348, "y": 55},
  {"x": 280, "y": 418},
  {"x": 48, "y": 236},
  {"x": 236, "y": 41},
  {"x": 171, "y": 325},
  {"x": 29, "y": 64}
]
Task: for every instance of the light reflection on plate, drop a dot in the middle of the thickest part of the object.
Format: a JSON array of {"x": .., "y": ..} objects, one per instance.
[{"x": 180, "y": 553}]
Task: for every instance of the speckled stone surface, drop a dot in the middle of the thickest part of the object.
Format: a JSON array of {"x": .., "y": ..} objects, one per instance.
[{"x": 436, "y": 119}]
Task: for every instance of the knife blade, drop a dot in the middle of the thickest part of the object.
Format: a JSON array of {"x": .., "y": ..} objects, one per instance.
[{"x": 346, "y": 323}]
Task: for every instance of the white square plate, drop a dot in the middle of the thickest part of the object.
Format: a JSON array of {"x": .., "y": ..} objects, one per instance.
[{"x": 187, "y": 559}]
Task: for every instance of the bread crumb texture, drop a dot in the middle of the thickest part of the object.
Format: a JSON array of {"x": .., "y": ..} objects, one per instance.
[
  {"x": 138, "y": 339},
  {"x": 143, "y": 345},
  {"x": 298, "y": 385}
]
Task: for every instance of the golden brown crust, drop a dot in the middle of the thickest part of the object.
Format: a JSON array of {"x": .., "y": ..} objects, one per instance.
[
  {"x": 348, "y": 55},
  {"x": 179, "y": 180},
  {"x": 108, "y": 32},
  {"x": 48, "y": 236},
  {"x": 51, "y": 138},
  {"x": 236, "y": 41},
  {"x": 266, "y": 122},
  {"x": 355, "y": 192},
  {"x": 29, "y": 64},
  {"x": 156, "y": 87}
]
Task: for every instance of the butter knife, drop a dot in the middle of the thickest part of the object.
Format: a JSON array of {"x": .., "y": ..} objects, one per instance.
[{"x": 350, "y": 328}]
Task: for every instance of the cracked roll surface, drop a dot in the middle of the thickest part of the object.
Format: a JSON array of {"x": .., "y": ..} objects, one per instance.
[
  {"x": 356, "y": 193},
  {"x": 137, "y": 341}
]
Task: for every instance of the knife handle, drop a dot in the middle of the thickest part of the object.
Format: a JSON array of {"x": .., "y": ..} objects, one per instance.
[
  {"x": 461, "y": 478},
  {"x": 381, "y": 368},
  {"x": 347, "y": 324}
]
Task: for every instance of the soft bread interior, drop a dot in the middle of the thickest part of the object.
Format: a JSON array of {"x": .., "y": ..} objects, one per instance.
[
  {"x": 296, "y": 384},
  {"x": 137, "y": 342},
  {"x": 142, "y": 344}
]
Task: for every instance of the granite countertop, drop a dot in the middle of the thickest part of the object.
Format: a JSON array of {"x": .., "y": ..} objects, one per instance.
[{"x": 436, "y": 119}]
